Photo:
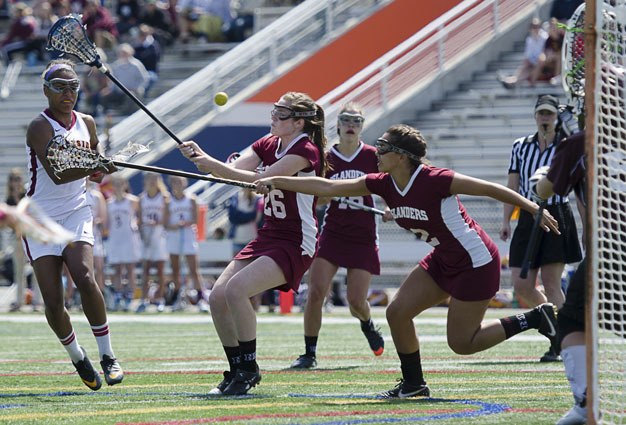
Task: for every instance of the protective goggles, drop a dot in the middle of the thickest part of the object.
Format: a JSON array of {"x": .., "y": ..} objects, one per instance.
[
  {"x": 283, "y": 113},
  {"x": 384, "y": 147},
  {"x": 347, "y": 118},
  {"x": 59, "y": 85}
]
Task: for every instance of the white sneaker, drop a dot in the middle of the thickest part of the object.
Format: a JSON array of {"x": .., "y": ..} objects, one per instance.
[{"x": 575, "y": 416}]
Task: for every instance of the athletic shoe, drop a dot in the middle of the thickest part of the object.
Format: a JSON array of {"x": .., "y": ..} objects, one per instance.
[
  {"x": 304, "y": 362},
  {"x": 548, "y": 325},
  {"x": 87, "y": 373},
  {"x": 113, "y": 372},
  {"x": 406, "y": 389},
  {"x": 219, "y": 390},
  {"x": 575, "y": 416},
  {"x": 550, "y": 356},
  {"x": 375, "y": 340},
  {"x": 243, "y": 382}
]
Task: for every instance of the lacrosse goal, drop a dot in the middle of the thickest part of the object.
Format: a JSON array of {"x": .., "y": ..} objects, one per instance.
[{"x": 605, "y": 97}]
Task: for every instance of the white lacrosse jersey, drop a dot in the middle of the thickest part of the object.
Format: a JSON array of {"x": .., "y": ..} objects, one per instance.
[
  {"x": 180, "y": 210},
  {"x": 153, "y": 235},
  {"x": 181, "y": 241},
  {"x": 58, "y": 201},
  {"x": 124, "y": 245}
]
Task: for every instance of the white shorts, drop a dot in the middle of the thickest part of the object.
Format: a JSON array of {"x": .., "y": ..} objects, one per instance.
[
  {"x": 79, "y": 222},
  {"x": 182, "y": 241},
  {"x": 154, "y": 243},
  {"x": 123, "y": 248}
]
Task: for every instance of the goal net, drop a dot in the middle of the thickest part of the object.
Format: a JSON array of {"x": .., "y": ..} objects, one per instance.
[{"x": 605, "y": 96}]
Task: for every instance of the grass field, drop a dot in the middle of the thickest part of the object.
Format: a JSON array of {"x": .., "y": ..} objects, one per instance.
[{"x": 172, "y": 360}]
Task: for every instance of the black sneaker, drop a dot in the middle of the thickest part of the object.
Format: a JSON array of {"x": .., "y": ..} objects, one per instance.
[
  {"x": 548, "y": 325},
  {"x": 242, "y": 382},
  {"x": 219, "y": 390},
  {"x": 113, "y": 372},
  {"x": 87, "y": 373},
  {"x": 304, "y": 362},
  {"x": 550, "y": 356},
  {"x": 406, "y": 389},
  {"x": 375, "y": 340}
]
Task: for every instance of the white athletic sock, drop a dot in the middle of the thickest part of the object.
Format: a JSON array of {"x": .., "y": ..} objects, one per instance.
[
  {"x": 103, "y": 338},
  {"x": 575, "y": 362},
  {"x": 70, "y": 343}
]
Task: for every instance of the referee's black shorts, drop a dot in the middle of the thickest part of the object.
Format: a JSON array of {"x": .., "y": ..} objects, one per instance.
[{"x": 553, "y": 248}]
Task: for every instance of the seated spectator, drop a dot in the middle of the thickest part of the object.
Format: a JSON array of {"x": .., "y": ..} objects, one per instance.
[
  {"x": 160, "y": 21},
  {"x": 549, "y": 64},
  {"x": 101, "y": 28},
  {"x": 204, "y": 19},
  {"x": 148, "y": 51},
  {"x": 127, "y": 13},
  {"x": 21, "y": 35},
  {"x": 45, "y": 16},
  {"x": 533, "y": 49},
  {"x": 132, "y": 74},
  {"x": 93, "y": 87}
]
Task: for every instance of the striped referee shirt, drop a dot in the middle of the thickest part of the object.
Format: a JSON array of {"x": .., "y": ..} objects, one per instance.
[{"x": 526, "y": 157}]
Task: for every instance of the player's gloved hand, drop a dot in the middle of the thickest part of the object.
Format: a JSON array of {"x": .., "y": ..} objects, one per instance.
[
  {"x": 540, "y": 173},
  {"x": 568, "y": 120}
]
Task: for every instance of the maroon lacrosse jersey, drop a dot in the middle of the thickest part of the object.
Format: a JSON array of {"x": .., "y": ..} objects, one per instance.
[
  {"x": 427, "y": 208},
  {"x": 349, "y": 236},
  {"x": 289, "y": 232}
]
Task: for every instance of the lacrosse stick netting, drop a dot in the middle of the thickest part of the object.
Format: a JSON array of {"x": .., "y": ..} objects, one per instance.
[
  {"x": 68, "y": 36},
  {"x": 574, "y": 59}
]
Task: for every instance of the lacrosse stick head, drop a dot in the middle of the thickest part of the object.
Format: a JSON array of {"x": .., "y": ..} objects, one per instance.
[
  {"x": 63, "y": 154},
  {"x": 573, "y": 59},
  {"x": 33, "y": 222},
  {"x": 68, "y": 36}
]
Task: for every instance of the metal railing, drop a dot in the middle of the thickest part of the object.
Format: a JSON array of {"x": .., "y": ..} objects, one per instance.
[
  {"x": 406, "y": 69},
  {"x": 188, "y": 108}
]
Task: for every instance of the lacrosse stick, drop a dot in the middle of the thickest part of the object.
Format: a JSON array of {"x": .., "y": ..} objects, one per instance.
[
  {"x": 360, "y": 206},
  {"x": 573, "y": 59},
  {"x": 64, "y": 155},
  {"x": 31, "y": 221},
  {"x": 533, "y": 243},
  {"x": 68, "y": 36}
]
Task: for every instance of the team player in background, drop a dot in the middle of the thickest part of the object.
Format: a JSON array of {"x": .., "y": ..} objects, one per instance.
[
  {"x": 285, "y": 245},
  {"x": 348, "y": 239},
  {"x": 153, "y": 203},
  {"x": 464, "y": 265},
  {"x": 99, "y": 210},
  {"x": 63, "y": 197},
  {"x": 181, "y": 217},
  {"x": 124, "y": 244}
]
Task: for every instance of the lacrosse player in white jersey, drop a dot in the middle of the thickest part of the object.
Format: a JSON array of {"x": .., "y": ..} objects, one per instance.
[{"x": 63, "y": 197}]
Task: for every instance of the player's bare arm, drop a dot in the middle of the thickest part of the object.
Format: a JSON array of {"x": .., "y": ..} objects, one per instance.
[
  {"x": 462, "y": 184},
  {"x": 317, "y": 186}
]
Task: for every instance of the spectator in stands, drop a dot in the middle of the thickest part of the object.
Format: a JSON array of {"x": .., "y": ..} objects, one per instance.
[
  {"x": 562, "y": 10},
  {"x": 464, "y": 265},
  {"x": 157, "y": 18},
  {"x": 555, "y": 250},
  {"x": 21, "y": 37},
  {"x": 132, "y": 74},
  {"x": 94, "y": 87},
  {"x": 204, "y": 19},
  {"x": 127, "y": 13},
  {"x": 349, "y": 239},
  {"x": 101, "y": 27},
  {"x": 284, "y": 248},
  {"x": 45, "y": 17},
  {"x": 549, "y": 64},
  {"x": 529, "y": 70},
  {"x": 148, "y": 51}
]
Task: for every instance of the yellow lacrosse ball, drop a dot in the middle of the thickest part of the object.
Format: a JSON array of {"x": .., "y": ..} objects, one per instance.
[{"x": 220, "y": 98}]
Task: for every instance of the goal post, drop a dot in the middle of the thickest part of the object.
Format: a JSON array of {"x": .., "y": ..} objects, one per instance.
[{"x": 605, "y": 106}]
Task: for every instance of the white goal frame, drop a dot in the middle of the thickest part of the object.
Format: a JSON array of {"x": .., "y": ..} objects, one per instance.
[{"x": 606, "y": 216}]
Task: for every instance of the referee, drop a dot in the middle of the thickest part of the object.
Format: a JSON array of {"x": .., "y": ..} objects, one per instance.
[{"x": 553, "y": 251}]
